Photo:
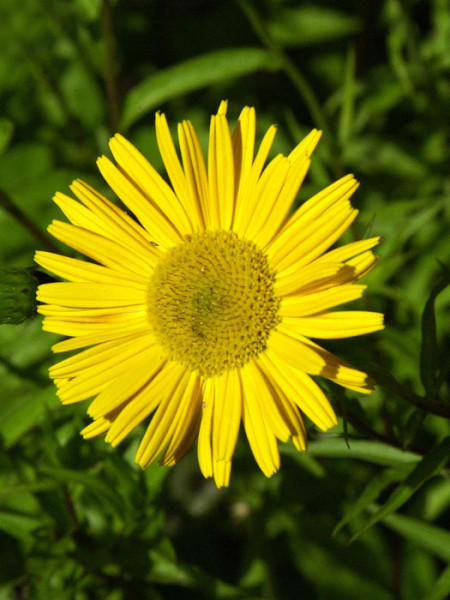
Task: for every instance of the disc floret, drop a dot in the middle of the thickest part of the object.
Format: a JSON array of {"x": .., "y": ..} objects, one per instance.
[{"x": 212, "y": 302}]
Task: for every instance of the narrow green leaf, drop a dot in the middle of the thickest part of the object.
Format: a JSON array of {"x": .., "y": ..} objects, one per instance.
[
  {"x": 367, "y": 451},
  {"x": 19, "y": 525},
  {"x": 441, "y": 589},
  {"x": 6, "y": 133},
  {"x": 346, "y": 118},
  {"x": 370, "y": 493},
  {"x": 27, "y": 411},
  {"x": 429, "y": 348},
  {"x": 308, "y": 25},
  {"x": 104, "y": 493},
  {"x": 413, "y": 426},
  {"x": 429, "y": 466},
  {"x": 428, "y": 537},
  {"x": 193, "y": 74}
]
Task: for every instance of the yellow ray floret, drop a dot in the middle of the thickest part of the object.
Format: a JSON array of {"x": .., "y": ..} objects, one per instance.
[{"x": 194, "y": 311}]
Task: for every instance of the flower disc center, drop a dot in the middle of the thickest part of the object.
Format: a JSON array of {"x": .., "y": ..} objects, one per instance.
[{"x": 212, "y": 302}]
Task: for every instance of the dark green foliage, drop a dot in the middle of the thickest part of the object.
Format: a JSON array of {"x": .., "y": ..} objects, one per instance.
[{"x": 78, "y": 520}]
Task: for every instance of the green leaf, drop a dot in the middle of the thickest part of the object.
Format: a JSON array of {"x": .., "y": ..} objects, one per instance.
[
  {"x": 83, "y": 95},
  {"x": 193, "y": 74},
  {"x": 429, "y": 348},
  {"x": 346, "y": 119},
  {"x": 309, "y": 25},
  {"x": 429, "y": 466},
  {"x": 6, "y": 133},
  {"x": 428, "y": 537},
  {"x": 24, "y": 413},
  {"x": 19, "y": 525},
  {"x": 441, "y": 589},
  {"x": 12, "y": 564},
  {"x": 375, "y": 156},
  {"x": 22, "y": 163},
  {"x": 368, "y": 496},
  {"x": 367, "y": 451},
  {"x": 92, "y": 483},
  {"x": 89, "y": 10}
]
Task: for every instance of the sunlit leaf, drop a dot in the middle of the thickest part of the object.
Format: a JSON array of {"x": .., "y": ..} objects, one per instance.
[
  {"x": 371, "y": 492},
  {"x": 367, "y": 451},
  {"x": 308, "y": 25},
  {"x": 193, "y": 74},
  {"x": 431, "y": 464},
  {"x": 431, "y": 538},
  {"x": 429, "y": 349},
  {"x": 441, "y": 589}
]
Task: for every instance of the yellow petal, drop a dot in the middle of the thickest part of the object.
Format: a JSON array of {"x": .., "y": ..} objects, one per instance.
[
  {"x": 147, "y": 179},
  {"x": 266, "y": 196},
  {"x": 334, "y": 325},
  {"x": 101, "y": 331},
  {"x": 243, "y": 141},
  {"x": 171, "y": 161},
  {"x": 287, "y": 410},
  {"x": 105, "y": 251},
  {"x": 77, "y": 363},
  {"x": 306, "y": 147},
  {"x": 220, "y": 173},
  {"x": 196, "y": 176},
  {"x": 298, "y": 386},
  {"x": 115, "y": 220},
  {"x": 162, "y": 231},
  {"x": 80, "y": 215},
  {"x": 90, "y": 295},
  {"x": 348, "y": 251},
  {"x": 315, "y": 226},
  {"x": 282, "y": 203},
  {"x": 303, "y": 354},
  {"x": 362, "y": 264},
  {"x": 172, "y": 409},
  {"x": 244, "y": 210},
  {"x": 96, "y": 428},
  {"x": 125, "y": 386},
  {"x": 114, "y": 314},
  {"x": 310, "y": 278},
  {"x": 159, "y": 389},
  {"x": 93, "y": 379},
  {"x": 275, "y": 212},
  {"x": 95, "y": 337},
  {"x": 261, "y": 439},
  {"x": 313, "y": 303},
  {"x": 227, "y": 414},
  {"x": 187, "y": 426},
  {"x": 74, "y": 269},
  {"x": 259, "y": 387},
  {"x": 222, "y": 472},
  {"x": 204, "y": 450}
]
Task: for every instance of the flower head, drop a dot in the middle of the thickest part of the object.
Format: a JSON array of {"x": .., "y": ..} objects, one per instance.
[{"x": 197, "y": 312}]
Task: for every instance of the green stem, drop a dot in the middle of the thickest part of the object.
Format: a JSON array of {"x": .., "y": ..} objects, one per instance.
[
  {"x": 298, "y": 80},
  {"x": 388, "y": 382},
  {"x": 12, "y": 209},
  {"x": 112, "y": 90}
]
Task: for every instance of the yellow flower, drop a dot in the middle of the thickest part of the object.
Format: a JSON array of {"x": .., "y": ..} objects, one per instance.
[{"x": 199, "y": 311}]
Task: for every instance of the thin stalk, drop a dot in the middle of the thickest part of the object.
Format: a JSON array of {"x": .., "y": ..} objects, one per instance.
[
  {"x": 112, "y": 89},
  {"x": 298, "y": 80},
  {"x": 12, "y": 209},
  {"x": 388, "y": 382}
]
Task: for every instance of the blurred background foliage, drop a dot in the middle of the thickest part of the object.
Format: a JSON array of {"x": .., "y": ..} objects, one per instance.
[{"x": 79, "y": 520}]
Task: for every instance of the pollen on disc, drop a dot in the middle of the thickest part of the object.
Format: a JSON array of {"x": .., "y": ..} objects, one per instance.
[{"x": 212, "y": 302}]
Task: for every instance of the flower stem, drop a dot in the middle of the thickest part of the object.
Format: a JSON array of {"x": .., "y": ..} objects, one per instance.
[
  {"x": 17, "y": 213},
  {"x": 298, "y": 80},
  {"x": 112, "y": 90},
  {"x": 387, "y": 381}
]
